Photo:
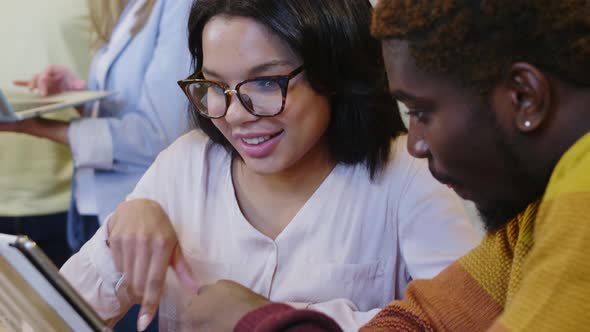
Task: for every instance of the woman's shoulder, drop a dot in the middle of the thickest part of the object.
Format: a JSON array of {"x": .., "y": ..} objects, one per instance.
[
  {"x": 400, "y": 162},
  {"x": 194, "y": 139},
  {"x": 399, "y": 168}
]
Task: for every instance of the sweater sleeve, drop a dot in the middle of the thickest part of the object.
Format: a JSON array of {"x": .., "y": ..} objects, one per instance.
[
  {"x": 281, "y": 317},
  {"x": 452, "y": 301},
  {"x": 344, "y": 312}
]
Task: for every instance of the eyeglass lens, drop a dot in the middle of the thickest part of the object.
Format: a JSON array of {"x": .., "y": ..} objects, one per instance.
[{"x": 261, "y": 97}]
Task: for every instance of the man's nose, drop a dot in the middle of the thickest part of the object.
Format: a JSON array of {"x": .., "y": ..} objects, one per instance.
[{"x": 418, "y": 147}]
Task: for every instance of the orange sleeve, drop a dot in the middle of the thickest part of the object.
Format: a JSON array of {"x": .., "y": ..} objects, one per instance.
[{"x": 452, "y": 301}]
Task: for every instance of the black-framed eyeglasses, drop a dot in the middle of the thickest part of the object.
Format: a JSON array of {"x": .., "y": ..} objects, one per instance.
[{"x": 260, "y": 96}]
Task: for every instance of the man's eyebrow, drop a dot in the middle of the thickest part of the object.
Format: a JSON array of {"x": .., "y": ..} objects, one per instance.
[{"x": 403, "y": 96}]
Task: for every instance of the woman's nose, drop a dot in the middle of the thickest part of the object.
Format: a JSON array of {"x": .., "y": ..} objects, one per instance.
[{"x": 237, "y": 113}]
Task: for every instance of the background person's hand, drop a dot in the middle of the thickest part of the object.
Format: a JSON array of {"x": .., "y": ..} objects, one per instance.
[
  {"x": 18, "y": 126},
  {"x": 143, "y": 244},
  {"x": 54, "y": 130},
  {"x": 54, "y": 79}
]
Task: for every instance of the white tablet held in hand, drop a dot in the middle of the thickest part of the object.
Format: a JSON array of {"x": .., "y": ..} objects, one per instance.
[
  {"x": 17, "y": 106},
  {"x": 34, "y": 296}
]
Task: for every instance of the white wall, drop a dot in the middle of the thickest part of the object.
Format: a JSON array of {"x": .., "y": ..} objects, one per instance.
[{"x": 34, "y": 34}]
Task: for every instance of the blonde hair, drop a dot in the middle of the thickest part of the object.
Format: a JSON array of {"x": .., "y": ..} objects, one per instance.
[{"x": 105, "y": 13}]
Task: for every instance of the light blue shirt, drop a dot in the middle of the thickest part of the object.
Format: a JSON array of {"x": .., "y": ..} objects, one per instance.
[{"x": 147, "y": 113}]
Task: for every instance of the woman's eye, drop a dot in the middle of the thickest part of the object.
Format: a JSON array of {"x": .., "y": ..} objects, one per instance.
[{"x": 265, "y": 84}]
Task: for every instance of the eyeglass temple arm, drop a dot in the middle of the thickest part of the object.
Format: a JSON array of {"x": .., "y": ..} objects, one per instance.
[{"x": 295, "y": 72}]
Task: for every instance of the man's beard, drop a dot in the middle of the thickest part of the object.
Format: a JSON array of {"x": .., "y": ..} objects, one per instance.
[
  {"x": 525, "y": 189},
  {"x": 496, "y": 214}
]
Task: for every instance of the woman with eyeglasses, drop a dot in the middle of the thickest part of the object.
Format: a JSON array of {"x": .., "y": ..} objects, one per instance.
[{"x": 297, "y": 186}]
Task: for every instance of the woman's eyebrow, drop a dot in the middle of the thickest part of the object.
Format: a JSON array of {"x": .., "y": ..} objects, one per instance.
[
  {"x": 263, "y": 67},
  {"x": 254, "y": 71},
  {"x": 208, "y": 72}
]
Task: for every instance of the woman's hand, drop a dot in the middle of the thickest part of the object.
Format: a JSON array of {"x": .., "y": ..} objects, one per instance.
[
  {"x": 54, "y": 79},
  {"x": 143, "y": 244}
]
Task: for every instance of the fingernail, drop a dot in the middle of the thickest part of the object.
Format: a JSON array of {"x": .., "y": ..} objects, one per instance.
[{"x": 143, "y": 322}]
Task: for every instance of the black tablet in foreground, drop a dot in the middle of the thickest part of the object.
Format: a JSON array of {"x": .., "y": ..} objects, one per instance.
[{"x": 34, "y": 296}]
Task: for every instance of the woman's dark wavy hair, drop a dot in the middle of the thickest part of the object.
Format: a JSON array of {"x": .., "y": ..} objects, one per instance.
[{"x": 341, "y": 61}]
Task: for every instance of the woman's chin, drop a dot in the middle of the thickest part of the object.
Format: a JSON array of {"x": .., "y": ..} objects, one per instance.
[{"x": 262, "y": 167}]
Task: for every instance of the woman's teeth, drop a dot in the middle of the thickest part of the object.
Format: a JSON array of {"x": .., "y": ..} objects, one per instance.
[{"x": 256, "y": 140}]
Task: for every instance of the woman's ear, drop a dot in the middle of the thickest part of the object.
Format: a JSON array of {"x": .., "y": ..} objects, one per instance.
[{"x": 530, "y": 96}]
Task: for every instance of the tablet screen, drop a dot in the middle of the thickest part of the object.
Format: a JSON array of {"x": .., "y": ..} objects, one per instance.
[{"x": 29, "y": 301}]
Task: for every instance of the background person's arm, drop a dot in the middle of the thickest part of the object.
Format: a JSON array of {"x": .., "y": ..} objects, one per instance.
[{"x": 136, "y": 138}]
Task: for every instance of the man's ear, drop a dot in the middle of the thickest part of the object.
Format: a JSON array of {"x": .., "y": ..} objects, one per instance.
[{"x": 530, "y": 95}]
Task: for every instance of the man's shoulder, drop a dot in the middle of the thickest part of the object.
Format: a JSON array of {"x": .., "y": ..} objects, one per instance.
[{"x": 572, "y": 173}]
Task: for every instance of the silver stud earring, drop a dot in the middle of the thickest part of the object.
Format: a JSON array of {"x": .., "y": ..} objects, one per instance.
[{"x": 527, "y": 123}]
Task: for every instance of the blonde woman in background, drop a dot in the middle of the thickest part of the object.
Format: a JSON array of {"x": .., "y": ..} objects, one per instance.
[
  {"x": 35, "y": 174},
  {"x": 142, "y": 49},
  {"x": 142, "y": 52}
]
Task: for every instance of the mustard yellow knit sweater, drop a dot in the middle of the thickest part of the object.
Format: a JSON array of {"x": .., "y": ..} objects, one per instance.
[{"x": 532, "y": 275}]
